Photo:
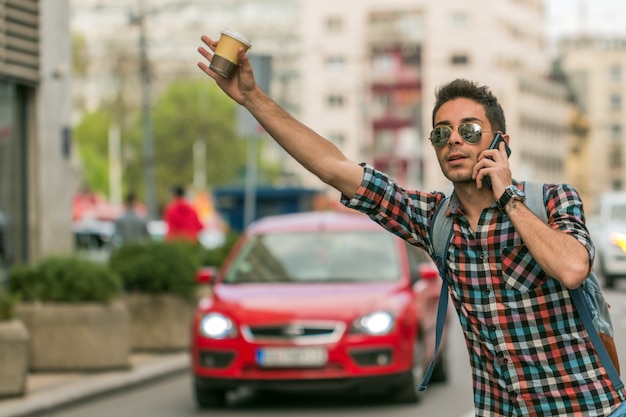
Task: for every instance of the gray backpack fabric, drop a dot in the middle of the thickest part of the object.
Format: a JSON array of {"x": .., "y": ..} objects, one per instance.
[{"x": 588, "y": 298}]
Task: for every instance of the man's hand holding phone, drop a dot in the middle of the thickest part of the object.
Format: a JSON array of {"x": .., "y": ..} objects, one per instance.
[{"x": 495, "y": 144}]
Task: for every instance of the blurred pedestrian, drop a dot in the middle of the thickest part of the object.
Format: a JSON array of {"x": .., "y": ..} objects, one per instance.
[
  {"x": 130, "y": 226},
  {"x": 181, "y": 217}
]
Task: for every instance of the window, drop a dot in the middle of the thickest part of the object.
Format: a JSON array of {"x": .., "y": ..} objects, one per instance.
[
  {"x": 335, "y": 63},
  {"x": 334, "y": 24},
  {"x": 615, "y": 157},
  {"x": 615, "y": 102},
  {"x": 335, "y": 100},
  {"x": 13, "y": 179},
  {"x": 616, "y": 132},
  {"x": 617, "y": 184},
  {"x": 615, "y": 73},
  {"x": 459, "y": 20},
  {"x": 459, "y": 59},
  {"x": 317, "y": 256}
]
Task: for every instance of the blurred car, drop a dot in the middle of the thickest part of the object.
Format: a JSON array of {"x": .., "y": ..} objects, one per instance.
[
  {"x": 319, "y": 300},
  {"x": 607, "y": 225}
]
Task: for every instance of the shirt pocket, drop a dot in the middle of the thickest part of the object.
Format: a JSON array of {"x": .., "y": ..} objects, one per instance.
[{"x": 520, "y": 271}]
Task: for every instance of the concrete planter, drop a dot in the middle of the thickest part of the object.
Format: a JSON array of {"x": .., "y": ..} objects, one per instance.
[
  {"x": 14, "y": 340},
  {"x": 77, "y": 337},
  {"x": 160, "y": 322}
]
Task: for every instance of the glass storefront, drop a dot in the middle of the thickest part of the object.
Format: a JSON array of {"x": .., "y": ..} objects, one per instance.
[{"x": 13, "y": 175}]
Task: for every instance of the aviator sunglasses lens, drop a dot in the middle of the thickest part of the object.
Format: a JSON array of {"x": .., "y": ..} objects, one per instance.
[
  {"x": 470, "y": 132},
  {"x": 440, "y": 135}
]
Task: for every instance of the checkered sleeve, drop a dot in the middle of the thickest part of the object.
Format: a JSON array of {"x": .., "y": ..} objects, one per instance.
[
  {"x": 405, "y": 213},
  {"x": 565, "y": 212}
]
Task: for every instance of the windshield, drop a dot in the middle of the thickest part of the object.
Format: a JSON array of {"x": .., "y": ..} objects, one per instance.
[{"x": 354, "y": 256}]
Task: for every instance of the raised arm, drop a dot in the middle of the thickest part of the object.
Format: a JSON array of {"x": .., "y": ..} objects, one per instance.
[{"x": 312, "y": 151}]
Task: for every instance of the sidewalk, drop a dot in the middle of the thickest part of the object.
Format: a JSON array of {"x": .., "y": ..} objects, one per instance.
[{"x": 47, "y": 391}]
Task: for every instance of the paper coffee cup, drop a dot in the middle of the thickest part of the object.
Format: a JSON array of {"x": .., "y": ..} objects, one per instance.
[{"x": 225, "y": 58}]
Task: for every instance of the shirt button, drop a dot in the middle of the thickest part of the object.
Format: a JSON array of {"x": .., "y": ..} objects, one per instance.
[
  {"x": 487, "y": 292},
  {"x": 493, "y": 328},
  {"x": 483, "y": 256}
]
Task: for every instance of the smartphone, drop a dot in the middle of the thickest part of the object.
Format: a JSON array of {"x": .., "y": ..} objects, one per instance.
[{"x": 495, "y": 144}]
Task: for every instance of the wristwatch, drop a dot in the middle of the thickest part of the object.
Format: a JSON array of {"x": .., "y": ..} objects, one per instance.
[{"x": 510, "y": 192}]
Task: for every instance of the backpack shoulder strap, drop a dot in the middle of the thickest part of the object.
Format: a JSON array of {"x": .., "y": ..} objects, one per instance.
[
  {"x": 535, "y": 199},
  {"x": 440, "y": 235},
  {"x": 441, "y": 228}
]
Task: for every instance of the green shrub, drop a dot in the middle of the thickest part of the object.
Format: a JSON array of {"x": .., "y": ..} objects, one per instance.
[
  {"x": 157, "y": 267},
  {"x": 64, "y": 279},
  {"x": 7, "y": 302}
]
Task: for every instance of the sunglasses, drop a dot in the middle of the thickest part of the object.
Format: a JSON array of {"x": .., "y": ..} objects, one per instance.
[{"x": 470, "y": 132}]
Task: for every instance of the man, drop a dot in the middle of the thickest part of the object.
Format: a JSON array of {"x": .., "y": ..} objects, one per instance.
[
  {"x": 508, "y": 271},
  {"x": 181, "y": 217},
  {"x": 130, "y": 226}
]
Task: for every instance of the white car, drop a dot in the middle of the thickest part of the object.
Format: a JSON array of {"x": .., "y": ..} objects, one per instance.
[{"x": 607, "y": 225}]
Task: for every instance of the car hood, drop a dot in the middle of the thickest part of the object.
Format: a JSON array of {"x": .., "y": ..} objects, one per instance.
[{"x": 256, "y": 303}]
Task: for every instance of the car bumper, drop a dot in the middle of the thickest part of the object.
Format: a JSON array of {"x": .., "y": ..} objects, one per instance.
[
  {"x": 348, "y": 365},
  {"x": 366, "y": 384}
]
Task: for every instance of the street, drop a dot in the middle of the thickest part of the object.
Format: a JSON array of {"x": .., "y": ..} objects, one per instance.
[{"x": 173, "y": 396}]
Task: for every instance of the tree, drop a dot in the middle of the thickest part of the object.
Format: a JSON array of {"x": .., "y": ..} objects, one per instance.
[
  {"x": 186, "y": 112},
  {"x": 91, "y": 138}
]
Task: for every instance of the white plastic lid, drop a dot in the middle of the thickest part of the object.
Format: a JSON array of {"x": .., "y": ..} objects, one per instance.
[{"x": 239, "y": 36}]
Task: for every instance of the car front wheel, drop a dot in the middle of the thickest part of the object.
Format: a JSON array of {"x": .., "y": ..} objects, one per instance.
[{"x": 408, "y": 392}]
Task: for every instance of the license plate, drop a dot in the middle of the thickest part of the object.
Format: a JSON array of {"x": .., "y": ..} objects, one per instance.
[{"x": 292, "y": 357}]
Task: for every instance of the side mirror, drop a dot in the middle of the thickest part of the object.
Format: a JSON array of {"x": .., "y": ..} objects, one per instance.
[
  {"x": 427, "y": 271},
  {"x": 206, "y": 275}
]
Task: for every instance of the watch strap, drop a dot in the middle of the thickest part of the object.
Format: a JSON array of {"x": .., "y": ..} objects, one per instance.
[{"x": 508, "y": 194}]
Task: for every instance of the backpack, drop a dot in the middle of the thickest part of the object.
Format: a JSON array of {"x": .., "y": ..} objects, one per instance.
[{"x": 587, "y": 298}]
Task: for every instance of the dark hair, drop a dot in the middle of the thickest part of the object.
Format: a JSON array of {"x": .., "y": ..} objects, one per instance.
[
  {"x": 130, "y": 199},
  {"x": 461, "y": 88},
  {"x": 178, "y": 190}
]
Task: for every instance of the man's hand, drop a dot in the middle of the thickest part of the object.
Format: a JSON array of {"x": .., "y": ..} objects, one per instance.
[
  {"x": 240, "y": 84},
  {"x": 495, "y": 164}
]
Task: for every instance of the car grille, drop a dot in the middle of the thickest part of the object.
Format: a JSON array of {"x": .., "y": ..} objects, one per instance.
[{"x": 295, "y": 332}]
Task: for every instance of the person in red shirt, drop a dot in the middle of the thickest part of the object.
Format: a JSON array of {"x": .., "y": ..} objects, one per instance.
[{"x": 181, "y": 217}]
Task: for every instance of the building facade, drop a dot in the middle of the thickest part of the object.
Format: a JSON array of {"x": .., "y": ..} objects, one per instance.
[
  {"x": 364, "y": 75},
  {"x": 596, "y": 72},
  {"x": 35, "y": 135}
]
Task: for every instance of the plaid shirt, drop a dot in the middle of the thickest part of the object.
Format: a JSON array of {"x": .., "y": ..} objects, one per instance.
[{"x": 529, "y": 352}]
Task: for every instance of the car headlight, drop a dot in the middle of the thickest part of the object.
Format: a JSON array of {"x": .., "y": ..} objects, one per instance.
[
  {"x": 618, "y": 239},
  {"x": 377, "y": 323},
  {"x": 217, "y": 326}
]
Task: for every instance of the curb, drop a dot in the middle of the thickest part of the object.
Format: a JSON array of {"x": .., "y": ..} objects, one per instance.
[{"x": 92, "y": 385}]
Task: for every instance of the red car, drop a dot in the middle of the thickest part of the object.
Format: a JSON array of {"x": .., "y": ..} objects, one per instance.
[{"x": 319, "y": 300}]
